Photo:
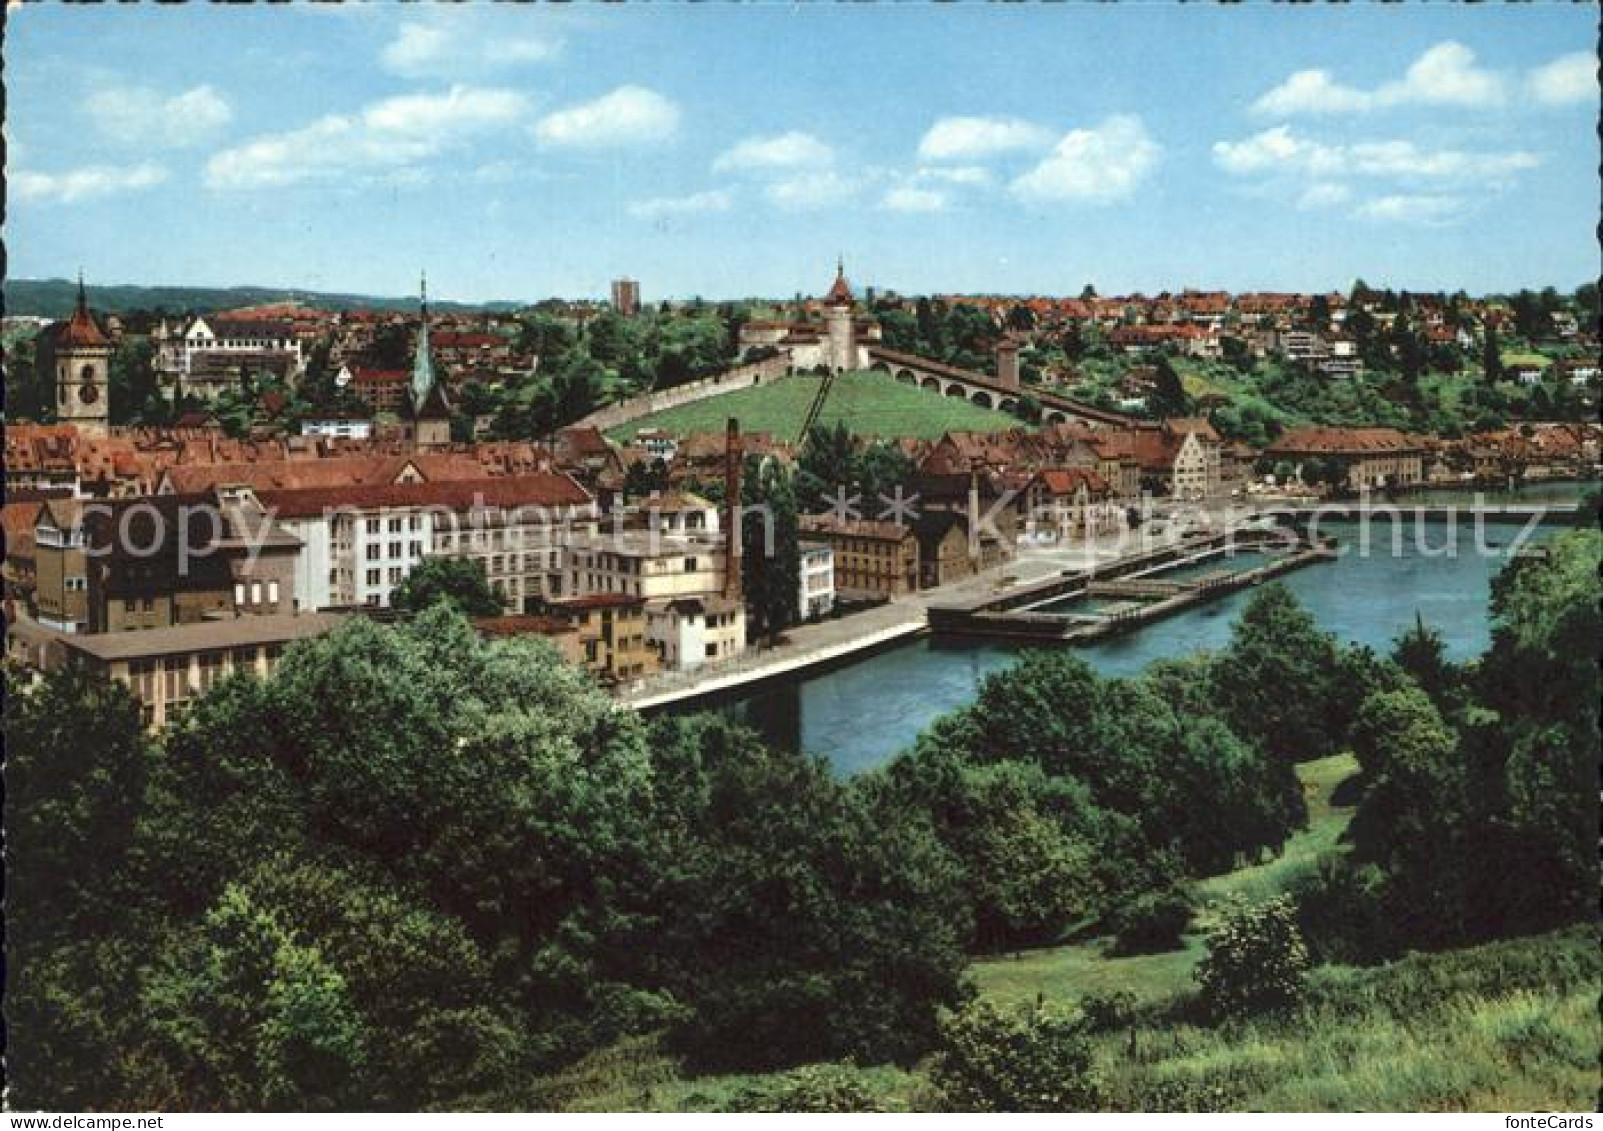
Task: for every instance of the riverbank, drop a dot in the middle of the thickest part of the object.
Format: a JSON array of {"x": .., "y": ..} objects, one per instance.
[{"x": 861, "y": 712}]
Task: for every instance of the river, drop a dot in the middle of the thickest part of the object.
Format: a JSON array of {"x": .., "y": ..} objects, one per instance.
[{"x": 860, "y": 714}]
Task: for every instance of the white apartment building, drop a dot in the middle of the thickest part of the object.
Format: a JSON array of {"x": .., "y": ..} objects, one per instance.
[
  {"x": 815, "y": 595},
  {"x": 643, "y": 564},
  {"x": 359, "y": 543},
  {"x": 690, "y": 631},
  {"x": 204, "y": 355}
]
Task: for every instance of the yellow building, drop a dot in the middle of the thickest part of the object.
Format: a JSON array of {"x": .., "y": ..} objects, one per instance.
[{"x": 872, "y": 559}]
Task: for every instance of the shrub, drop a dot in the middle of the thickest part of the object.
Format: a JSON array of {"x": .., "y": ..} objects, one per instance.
[
  {"x": 815, "y": 1088},
  {"x": 1256, "y": 961},
  {"x": 1031, "y": 1060},
  {"x": 1102, "y": 1013},
  {"x": 1151, "y": 922}
]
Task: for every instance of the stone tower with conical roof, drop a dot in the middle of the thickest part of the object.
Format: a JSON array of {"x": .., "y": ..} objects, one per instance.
[
  {"x": 838, "y": 322},
  {"x": 83, "y": 371}
]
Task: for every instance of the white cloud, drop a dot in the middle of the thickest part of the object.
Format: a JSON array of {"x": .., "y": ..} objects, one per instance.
[
  {"x": 145, "y": 117},
  {"x": 793, "y": 150},
  {"x": 957, "y": 174},
  {"x": 1445, "y": 75},
  {"x": 811, "y": 190},
  {"x": 630, "y": 115},
  {"x": 1423, "y": 209},
  {"x": 437, "y": 48},
  {"x": 977, "y": 137},
  {"x": 1566, "y": 80},
  {"x": 84, "y": 184},
  {"x": 1279, "y": 150},
  {"x": 909, "y": 198},
  {"x": 391, "y": 136},
  {"x": 696, "y": 204},
  {"x": 1098, "y": 165},
  {"x": 1324, "y": 194}
]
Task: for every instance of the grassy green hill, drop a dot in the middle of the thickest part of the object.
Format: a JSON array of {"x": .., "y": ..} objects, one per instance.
[
  {"x": 870, "y": 404},
  {"x": 1510, "y": 1026}
]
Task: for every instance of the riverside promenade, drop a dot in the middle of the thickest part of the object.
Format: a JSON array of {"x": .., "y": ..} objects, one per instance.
[{"x": 810, "y": 645}]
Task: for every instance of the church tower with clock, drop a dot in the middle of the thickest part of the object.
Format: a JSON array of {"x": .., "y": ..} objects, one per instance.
[{"x": 83, "y": 372}]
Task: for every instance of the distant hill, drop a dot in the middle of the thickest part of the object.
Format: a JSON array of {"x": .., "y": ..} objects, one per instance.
[{"x": 54, "y": 298}]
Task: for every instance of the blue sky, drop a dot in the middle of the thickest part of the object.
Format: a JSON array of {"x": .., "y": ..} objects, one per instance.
[{"x": 725, "y": 151}]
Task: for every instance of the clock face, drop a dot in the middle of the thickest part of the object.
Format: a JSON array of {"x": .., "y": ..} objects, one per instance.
[{"x": 89, "y": 394}]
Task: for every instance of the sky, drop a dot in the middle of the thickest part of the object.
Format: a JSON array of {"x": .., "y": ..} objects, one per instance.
[{"x": 521, "y": 152}]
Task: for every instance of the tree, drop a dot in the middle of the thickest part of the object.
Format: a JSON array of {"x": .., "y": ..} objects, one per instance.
[
  {"x": 457, "y": 582},
  {"x": 1168, "y": 398},
  {"x": 1256, "y": 961},
  {"x": 1491, "y": 357},
  {"x": 132, "y": 383},
  {"x": 76, "y": 766},
  {"x": 1277, "y": 684},
  {"x": 1421, "y": 653},
  {"x": 251, "y": 1019},
  {"x": 1030, "y": 1060},
  {"x": 645, "y": 477},
  {"x": 770, "y": 549},
  {"x": 800, "y": 920}
]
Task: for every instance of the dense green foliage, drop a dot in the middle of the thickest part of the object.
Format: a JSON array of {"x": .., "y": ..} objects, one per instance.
[
  {"x": 1479, "y": 812},
  {"x": 833, "y": 460},
  {"x": 479, "y": 872},
  {"x": 457, "y": 582},
  {"x": 476, "y": 869},
  {"x": 1028, "y": 1060},
  {"x": 770, "y": 547},
  {"x": 817, "y": 1088},
  {"x": 1068, "y": 797},
  {"x": 1256, "y": 961}
]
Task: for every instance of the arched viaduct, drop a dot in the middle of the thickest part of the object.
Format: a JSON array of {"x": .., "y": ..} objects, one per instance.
[{"x": 983, "y": 390}]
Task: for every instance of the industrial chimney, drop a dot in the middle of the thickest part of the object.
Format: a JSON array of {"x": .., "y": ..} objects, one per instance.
[{"x": 733, "y": 460}]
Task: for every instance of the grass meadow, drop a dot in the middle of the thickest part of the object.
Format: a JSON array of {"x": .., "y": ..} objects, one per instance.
[{"x": 869, "y": 404}]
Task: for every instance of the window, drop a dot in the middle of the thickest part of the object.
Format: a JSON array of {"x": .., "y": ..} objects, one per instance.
[
  {"x": 255, "y": 592},
  {"x": 414, "y": 523},
  {"x": 372, "y": 526},
  {"x": 272, "y": 592},
  {"x": 395, "y": 549},
  {"x": 211, "y": 670},
  {"x": 395, "y": 575},
  {"x": 690, "y": 565},
  {"x": 239, "y": 592},
  {"x": 395, "y": 526},
  {"x": 415, "y": 549},
  {"x": 372, "y": 551},
  {"x": 374, "y": 576},
  {"x": 175, "y": 678}
]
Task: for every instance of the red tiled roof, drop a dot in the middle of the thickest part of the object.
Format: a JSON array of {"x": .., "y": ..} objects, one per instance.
[
  {"x": 598, "y": 601},
  {"x": 840, "y": 292},
  {"x": 81, "y": 331},
  {"x": 523, "y": 624},
  {"x": 1346, "y": 441},
  {"x": 858, "y": 528},
  {"x": 541, "y": 489}
]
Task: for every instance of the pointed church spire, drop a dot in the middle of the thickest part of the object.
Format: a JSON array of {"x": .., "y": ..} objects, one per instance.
[
  {"x": 422, "y": 358},
  {"x": 83, "y": 298}
]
